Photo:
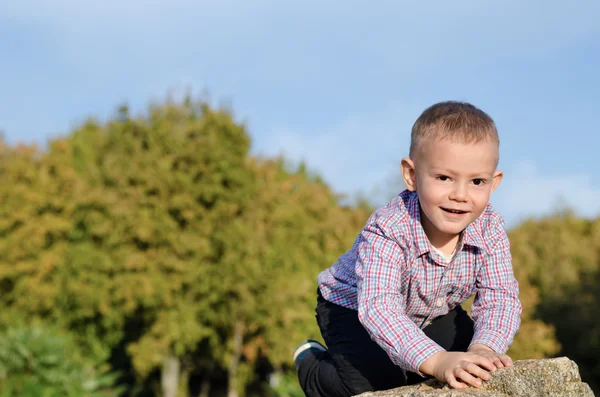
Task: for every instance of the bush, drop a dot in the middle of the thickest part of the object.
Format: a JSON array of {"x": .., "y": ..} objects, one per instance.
[{"x": 43, "y": 362}]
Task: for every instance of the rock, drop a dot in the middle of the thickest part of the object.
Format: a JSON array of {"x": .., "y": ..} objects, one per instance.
[{"x": 550, "y": 377}]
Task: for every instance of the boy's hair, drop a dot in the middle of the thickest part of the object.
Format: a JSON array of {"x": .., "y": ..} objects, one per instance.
[{"x": 454, "y": 121}]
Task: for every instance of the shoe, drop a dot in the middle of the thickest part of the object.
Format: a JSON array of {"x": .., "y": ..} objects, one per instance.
[{"x": 305, "y": 347}]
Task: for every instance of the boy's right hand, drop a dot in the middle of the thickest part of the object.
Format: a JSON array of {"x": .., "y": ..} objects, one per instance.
[{"x": 458, "y": 369}]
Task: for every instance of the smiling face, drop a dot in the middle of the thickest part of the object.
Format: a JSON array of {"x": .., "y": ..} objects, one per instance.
[{"x": 454, "y": 182}]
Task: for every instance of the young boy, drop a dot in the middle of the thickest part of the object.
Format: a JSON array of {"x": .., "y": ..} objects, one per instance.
[{"x": 389, "y": 309}]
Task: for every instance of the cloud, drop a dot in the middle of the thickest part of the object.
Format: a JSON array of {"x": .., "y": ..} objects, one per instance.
[
  {"x": 359, "y": 154},
  {"x": 527, "y": 192}
]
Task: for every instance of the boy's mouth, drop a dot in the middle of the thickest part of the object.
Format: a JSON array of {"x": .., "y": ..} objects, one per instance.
[{"x": 453, "y": 211}]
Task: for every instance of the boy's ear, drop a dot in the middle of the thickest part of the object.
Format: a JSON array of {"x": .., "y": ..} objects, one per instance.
[
  {"x": 408, "y": 174},
  {"x": 497, "y": 179}
]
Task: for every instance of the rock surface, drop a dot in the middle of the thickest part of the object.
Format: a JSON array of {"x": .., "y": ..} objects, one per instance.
[{"x": 550, "y": 377}]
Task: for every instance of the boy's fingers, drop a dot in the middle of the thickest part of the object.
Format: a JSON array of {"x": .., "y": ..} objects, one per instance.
[
  {"x": 506, "y": 360},
  {"x": 484, "y": 362},
  {"x": 455, "y": 383},
  {"x": 477, "y": 371},
  {"x": 498, "y": 362},
  {"x": 467, "y": 378}
]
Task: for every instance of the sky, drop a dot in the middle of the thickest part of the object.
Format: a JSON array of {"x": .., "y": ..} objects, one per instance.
[{"x": 337, "y": 84}]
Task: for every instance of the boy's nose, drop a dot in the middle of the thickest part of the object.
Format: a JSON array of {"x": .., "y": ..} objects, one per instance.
[{"x": 459, "y": 193}]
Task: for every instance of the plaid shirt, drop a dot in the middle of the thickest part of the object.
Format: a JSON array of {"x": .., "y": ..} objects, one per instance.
[{"x": 398, "y": 284}]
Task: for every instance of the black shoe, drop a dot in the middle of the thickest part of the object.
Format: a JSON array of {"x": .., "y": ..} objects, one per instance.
[{"x": 305, "y": 347}]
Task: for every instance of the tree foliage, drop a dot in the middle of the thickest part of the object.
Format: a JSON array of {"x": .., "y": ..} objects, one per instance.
[
  {"x": 559, "y": 257},
  {"x": 165, "y": 221}
]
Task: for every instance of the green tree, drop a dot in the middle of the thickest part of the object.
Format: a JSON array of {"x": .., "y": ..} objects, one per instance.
[
  {"x": 115, "y": 222},
  {"x": 162, "y": 234},
  {"x": 179, "y": 179},
  {"x": 560, "y": 257}
]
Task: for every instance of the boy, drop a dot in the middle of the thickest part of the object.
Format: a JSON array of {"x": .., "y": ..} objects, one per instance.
[{"x": 389, "y": 309}]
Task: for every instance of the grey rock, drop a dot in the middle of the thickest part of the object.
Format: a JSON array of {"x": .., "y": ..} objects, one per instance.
[{"x": 549, "y": 378}]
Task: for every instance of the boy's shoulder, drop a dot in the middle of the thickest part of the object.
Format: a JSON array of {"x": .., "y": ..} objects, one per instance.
[
  {"x": 397, "y": 219},
  {"x": 400, "y": 210}
]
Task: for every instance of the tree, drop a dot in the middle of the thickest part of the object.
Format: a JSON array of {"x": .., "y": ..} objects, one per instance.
[
  {"x": 115, "y": 222},
  {"x": 161, "y": 235},
  {"x": 560, "y": 257},
  {"x": 180, "y": 179}
]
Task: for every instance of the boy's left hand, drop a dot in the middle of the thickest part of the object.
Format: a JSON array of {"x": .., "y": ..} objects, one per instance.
[{"x": 499, "y": 360}]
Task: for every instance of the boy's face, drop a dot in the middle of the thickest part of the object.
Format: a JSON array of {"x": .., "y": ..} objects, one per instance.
[{"x": 454, "y": 182}]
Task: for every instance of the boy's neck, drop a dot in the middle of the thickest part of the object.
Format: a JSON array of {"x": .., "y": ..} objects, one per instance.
[
  {"x": 445, "y": 243},
  {"x": 447, "y": 246}
]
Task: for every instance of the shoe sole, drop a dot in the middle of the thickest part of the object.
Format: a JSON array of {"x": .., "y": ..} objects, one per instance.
[{"x": 309, "y": 344}]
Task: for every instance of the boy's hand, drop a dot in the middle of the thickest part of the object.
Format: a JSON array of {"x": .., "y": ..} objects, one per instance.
[
  {"x": 458, "y": 369},
  {"x": 499, "y": 360}
]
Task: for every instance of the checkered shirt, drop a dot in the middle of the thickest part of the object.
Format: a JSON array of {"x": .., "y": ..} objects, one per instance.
[{"x": 399, "y": 284}]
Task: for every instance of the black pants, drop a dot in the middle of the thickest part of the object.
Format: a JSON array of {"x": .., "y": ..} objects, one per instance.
[{"x": 355, "y": 364}]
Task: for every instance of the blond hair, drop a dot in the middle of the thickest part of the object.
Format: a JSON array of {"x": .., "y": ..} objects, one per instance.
[{"x": 455, "y": 121}]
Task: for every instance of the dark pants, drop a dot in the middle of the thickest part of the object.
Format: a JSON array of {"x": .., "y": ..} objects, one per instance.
[{"x": 355, "y": 364}]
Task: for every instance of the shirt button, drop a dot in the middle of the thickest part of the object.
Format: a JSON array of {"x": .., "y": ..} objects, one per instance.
[{"x": 439, "y": 302}]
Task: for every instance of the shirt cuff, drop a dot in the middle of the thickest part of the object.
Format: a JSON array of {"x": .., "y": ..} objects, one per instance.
[
  {"x": 418, "y": 351},
  {"x": 491, "y": 339}
]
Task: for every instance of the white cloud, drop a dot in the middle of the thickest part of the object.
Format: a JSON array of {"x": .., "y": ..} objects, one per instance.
[
  {"x": 359, "y": 154},
  {"x": 527, "y": 192}
]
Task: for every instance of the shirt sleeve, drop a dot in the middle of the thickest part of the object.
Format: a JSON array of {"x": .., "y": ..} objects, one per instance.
[
  {"x": 496, "y": 309},
  {"x": 381, "y": 307}
]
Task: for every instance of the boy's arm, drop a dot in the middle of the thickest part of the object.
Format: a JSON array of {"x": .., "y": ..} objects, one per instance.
[
  {"x": 496, "y": 309},
  {"x": 381, "y": 307}
]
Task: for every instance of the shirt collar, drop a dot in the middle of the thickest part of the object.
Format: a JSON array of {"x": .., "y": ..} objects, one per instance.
[{"x": 471, "y": 236}]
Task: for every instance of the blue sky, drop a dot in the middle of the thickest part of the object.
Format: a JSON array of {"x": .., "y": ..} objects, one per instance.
[{"x": 335, "y": 83}]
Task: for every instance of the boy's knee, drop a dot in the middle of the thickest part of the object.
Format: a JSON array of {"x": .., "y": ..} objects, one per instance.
[{"x": 371, "y": 375}]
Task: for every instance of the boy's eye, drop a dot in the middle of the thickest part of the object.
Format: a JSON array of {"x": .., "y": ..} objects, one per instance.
[
  {"x": 478, "y": 182},
  {"x": 443, "y": 178}
]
